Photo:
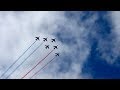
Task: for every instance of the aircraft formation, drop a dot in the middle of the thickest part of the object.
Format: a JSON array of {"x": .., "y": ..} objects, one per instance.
[
  {"x": 45, "y": 39},
  {"x": 53, "y": 40}
]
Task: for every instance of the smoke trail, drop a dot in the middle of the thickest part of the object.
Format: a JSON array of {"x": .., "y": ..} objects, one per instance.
[
  {"x": 17, "y": 60},
  {"x": 37, "y": 64},
  {"x": 23, "y": 61},
  {"x": 42, "y": 68}
]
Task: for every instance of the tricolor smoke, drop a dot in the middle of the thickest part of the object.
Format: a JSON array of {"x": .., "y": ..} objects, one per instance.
[{"x": 75, "y": 32}]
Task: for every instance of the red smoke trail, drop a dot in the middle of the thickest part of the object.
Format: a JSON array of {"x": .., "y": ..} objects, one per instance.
[
  {"x": 37, "y": 65},
  {"x": 17, "y": 60},
  {"x": 42, "y": 68},
  {"x": 23, "y": 61}
]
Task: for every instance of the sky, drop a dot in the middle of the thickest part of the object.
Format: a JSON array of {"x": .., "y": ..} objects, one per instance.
[{"x": 88, "y": 44}]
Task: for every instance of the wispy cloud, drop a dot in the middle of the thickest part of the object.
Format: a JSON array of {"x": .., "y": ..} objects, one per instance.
[
  {"x": 17, "y": 32},
  {"x": 108, "y": 41}
]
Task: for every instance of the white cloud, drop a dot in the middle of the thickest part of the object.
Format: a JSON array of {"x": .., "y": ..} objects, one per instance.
[
  {"x": 109, "y": 46},
  {"x": 17, "y": 32}
]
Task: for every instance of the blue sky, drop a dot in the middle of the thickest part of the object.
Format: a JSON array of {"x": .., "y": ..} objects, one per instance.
[
  {"x": 96, "y": 65},
  {"x": 88, "y": 43}
]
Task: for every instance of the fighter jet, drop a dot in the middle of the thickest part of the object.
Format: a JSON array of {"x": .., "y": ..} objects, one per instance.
[
  {"x": 53, "y": 40},
  {"x": 37, "y": 38},
  {"x": 56, "y": 54},
  {"x": 44, "y": 39},
  {"x": 55, "y": 47},
  {"x": 47, "y": 46}
]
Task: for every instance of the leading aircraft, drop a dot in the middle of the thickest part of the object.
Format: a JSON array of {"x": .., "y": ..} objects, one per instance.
[{"x": 37, "y": 38}]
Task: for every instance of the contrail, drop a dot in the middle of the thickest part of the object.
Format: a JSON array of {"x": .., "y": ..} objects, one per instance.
[
  {"x": 42, "y": 68},
  {"x": 23, "y": 62},
  {"x": 17, "y": 60},
  {"x": 37, "y": 64}
]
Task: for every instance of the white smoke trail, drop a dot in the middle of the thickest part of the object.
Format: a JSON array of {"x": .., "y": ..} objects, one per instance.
[{"x": 18, "y": 29}]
